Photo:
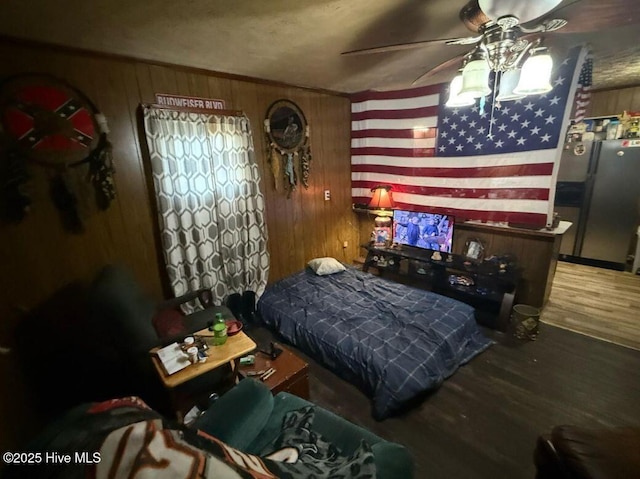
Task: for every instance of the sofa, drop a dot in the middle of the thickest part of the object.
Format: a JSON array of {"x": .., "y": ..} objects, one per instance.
[
  {"x": 250, "y": 418},
  {"x": 239, "y": 436},
  {"x": 572, "y": 452}
]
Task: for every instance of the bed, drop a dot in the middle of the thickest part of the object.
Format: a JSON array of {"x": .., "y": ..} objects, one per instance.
[{"x": 391, "y": 340}]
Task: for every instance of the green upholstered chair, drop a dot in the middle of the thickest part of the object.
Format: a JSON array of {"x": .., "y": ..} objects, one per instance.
[{"x": 249, "y": 418}]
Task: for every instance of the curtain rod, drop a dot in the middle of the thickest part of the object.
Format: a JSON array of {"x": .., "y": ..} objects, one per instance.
[{"x": 155, "y": 106}]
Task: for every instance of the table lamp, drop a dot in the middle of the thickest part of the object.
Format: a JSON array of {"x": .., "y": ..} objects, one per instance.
[{"x": 382, "y": 203}]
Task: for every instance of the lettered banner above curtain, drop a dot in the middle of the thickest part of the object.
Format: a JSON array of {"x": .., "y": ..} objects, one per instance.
[{"x": 210, "y": 205}]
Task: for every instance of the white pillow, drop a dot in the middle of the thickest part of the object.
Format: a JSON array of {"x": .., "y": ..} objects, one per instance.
[{"x": 328, "y": 265}]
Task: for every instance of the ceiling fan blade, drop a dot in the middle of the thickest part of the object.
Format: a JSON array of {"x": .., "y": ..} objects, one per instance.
[
  {"x": 550, "y": 25},
  {"x": 464, "y": 41},
  {"x": 450, "y": 64},
  {"x": 472, "y": 16},
  {"x": 593, "y": 15},
  {"x": 524, "y": 10},
  {"x": 411, "y": 45}
]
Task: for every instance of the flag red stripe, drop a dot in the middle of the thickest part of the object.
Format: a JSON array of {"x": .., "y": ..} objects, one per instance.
[
  {"x": 542, "y": 169},
  {"x": 417, "y": 134},
  {"x": 484, "y": 193},
  {"x": 396, "y": 94},
  {"x": 422, "y": 112},
  {"x": 533, "y": 219},
  {"x": 401, "y": 152}
]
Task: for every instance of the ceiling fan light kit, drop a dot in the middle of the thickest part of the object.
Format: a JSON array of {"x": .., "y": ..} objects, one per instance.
[{"x": 502, "y": 50}]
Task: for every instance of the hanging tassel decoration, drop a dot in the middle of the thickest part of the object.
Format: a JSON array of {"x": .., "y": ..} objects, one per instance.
[
  {"x": 289, "y": 175},
  {"x": 305, "y": 161},
  {"x": 289, "y": 172},
  {"x": 15, "y": 203},
  {"x": 101, "y": 171},
  {"x": 66, "y": 203},
  {"x": 296, "y": 168},
  {"x": 275, "y": 163}
]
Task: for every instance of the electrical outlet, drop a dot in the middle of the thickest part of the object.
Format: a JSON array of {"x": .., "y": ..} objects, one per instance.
[
  {"x": 327, "y": 195},
  {"x": 345, "y": 244}
]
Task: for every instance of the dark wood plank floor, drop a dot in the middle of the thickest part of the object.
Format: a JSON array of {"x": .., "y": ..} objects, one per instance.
[{"x": 484, "y": 420}]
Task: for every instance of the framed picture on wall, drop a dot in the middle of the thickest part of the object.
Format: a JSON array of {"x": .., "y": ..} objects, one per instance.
[
  {"x": 474, "y": 250},
  {"x": 382, "y": 235}
]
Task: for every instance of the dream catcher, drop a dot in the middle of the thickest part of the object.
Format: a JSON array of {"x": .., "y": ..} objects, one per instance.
[
  {"x": 288, "y": 152},
  {"x": 47, "y": 123}
]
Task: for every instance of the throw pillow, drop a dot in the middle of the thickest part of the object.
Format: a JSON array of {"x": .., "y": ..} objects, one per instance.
[
  {"x": 168, "y": 323},
  {"x": 322, "y": 266}
]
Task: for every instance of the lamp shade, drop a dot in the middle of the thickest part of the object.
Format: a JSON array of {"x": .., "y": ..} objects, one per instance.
[
  {"x": 508, "y": 81},
  {"x": 381, "y": 199},
  {"x": 475, "y": 79},
  {"x": 535, "y": 76},
  {"x": 455, "y": 98}
]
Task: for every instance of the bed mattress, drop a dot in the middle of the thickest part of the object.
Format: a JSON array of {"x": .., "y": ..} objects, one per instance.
[{"x": 393, "y": 341}]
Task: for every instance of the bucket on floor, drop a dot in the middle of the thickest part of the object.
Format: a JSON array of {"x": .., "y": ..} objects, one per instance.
[{"x": 526, "y": 321}]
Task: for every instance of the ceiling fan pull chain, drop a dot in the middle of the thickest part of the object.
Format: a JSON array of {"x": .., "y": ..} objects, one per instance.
[{"x": 494, "y": 93}]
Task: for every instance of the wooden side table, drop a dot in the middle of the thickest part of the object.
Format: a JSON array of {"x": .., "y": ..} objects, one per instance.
[
  {"x": 292, "y": 373},
  {"x": 230, "y": 353}
]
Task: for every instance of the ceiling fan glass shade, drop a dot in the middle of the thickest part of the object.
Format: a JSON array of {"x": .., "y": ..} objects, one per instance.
[
  {"x": 536, "y": 74},
  {"x": 475, "y": 79},
  {"x": 455, "y": 98},
  {"x": 508, "y": 81}
]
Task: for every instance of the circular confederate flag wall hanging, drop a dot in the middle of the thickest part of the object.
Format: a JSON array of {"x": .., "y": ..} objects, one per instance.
[{"x": 48, "y": 123}]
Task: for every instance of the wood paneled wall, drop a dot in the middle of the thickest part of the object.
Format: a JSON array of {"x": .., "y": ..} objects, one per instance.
[
  {"x": 38, "y": 257},
  {"x": 614, "y": 102}
]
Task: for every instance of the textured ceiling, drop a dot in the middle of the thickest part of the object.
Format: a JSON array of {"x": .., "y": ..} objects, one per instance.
[{"x": 297, "y": 41}]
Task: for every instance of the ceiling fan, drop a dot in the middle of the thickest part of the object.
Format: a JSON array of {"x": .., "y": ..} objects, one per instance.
[{"x": 507, "y": 31}]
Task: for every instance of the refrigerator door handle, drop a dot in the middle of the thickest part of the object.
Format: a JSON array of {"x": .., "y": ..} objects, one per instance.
[{"x": 593, "y": 158}]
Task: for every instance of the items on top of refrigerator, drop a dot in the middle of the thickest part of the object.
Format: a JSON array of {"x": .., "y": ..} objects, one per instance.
[
  {"x": 630, "y": 121},
  {"x": 590, "y": 129}
]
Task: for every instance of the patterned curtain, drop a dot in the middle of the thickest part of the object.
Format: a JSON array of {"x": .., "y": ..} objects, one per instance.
[{"x": 210, "y": 207}]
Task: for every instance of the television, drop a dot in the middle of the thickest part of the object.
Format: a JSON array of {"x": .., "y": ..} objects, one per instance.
[{"x": 423, "y": 230}]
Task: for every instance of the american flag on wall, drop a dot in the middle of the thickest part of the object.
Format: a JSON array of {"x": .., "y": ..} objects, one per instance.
[{"x": 477, "y": 162}]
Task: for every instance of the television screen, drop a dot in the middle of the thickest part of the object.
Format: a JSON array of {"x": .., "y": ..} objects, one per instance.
[{"x": 423, "y": 230}]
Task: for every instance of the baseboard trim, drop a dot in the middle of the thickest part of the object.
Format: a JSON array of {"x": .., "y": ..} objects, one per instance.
[{"x": 593, "y": 262}]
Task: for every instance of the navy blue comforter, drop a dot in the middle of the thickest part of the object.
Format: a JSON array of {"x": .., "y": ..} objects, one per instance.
[{"x": 392, "y": 340}]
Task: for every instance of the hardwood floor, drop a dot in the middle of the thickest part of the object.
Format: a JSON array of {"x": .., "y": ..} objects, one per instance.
[
  {"x": 484, "y": 420},
  {"x": 598, "y": 302}
]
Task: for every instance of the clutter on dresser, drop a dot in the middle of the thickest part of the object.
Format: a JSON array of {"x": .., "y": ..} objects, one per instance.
[
  {"x": 177, "y": 356},
  {"x": 273, "y": 352},
  {"x": 486, "y": 282}
]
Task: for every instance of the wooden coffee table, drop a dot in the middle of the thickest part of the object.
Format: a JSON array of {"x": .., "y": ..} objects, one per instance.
[
  {"x": 292, "y": 373},
  {"x": 229, "y": 353}
]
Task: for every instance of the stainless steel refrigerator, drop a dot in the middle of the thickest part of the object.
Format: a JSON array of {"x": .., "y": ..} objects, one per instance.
[{"x": 598, "y": 190}]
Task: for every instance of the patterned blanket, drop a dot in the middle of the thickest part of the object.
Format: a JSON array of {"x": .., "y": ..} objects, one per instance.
[{"x": 124, "y": 438}]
